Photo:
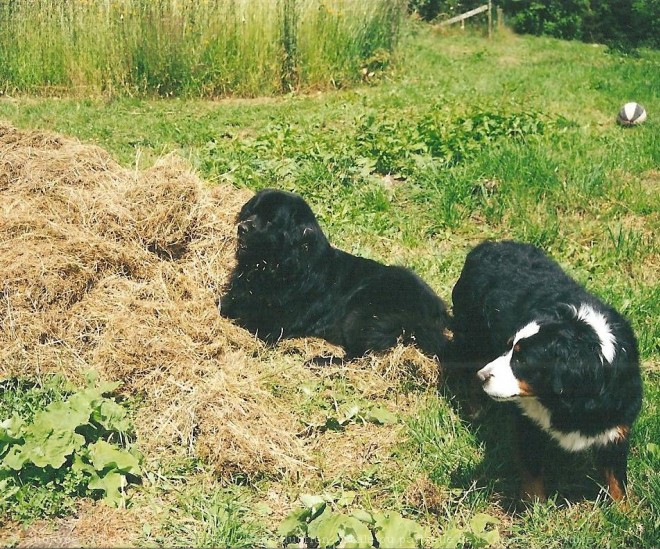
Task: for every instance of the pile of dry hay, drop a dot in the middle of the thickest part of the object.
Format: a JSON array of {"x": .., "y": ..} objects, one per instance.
[
  {"x": 117, "y": 271},
  {"x": 114, "y": 270}
]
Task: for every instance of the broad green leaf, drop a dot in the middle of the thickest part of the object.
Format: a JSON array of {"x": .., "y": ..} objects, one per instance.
[
  {"x": 332, "y": 528},
  {"x": 102, "y": 387},
  {"x": 354, "y": 533},
  {"x": 325, "y": 528},
  {"x": 51, "y": 450},
  {"x": 39, "y": 430},
  {"x": 57, "y": 447},
  {"x": 380, "y": 416},
  {"x": 392, "y": 530},
  {"x": 15, "y": 458},
  {"x": 111, "y": 484},
  {"x": 363, "y": 516},
  {"x": 80, "y": 466},
  {"x": 480, "y": 536},
  {"x": 111, "y": 416},
  {"x": 480, "y": 521},
  {"x": 106, "y": 387},
  {"x": 491, "y": 538},
  {"x": 11, "y": 429},
  {"x": 64, "y": 416},
  {"x": 104, "y": 455},
  {"x": 450, "y": 539},
  {"x": 346, "y": 498},
  {"x": 295, "y": 524},
  {"x": 313, "y": 502}
]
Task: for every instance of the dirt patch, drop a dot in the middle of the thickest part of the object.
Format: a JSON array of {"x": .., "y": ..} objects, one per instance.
[{"x": 94, "y": 525}]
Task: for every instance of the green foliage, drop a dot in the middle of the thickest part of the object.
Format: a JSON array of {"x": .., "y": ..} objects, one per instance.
[
  {"x": 432, "y": 9},
  {"x": 465, "y": 137},
  {"x": 558, "y": 18},
  {"x": 319, "y": 521},
  {"x": 353, "y": 412},
  {"x": 61, "y": 450},
  {"x": 623, "y": 24}
]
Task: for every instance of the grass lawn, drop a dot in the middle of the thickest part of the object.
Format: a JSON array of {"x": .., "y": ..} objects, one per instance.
[{"x": 466, "y": 139}]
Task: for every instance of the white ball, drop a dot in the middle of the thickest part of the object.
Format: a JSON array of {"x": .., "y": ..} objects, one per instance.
[{"x": 631, "y": 114}]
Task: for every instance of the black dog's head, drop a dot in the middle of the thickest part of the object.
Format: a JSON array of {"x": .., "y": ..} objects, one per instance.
[
  {"x": 559, "y": 358},
  {"x": 278, "y": 228}
]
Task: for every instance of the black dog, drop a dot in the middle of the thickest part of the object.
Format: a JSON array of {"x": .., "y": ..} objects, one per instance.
[
  {"x": 568, "y": 361},
  {"x": 290, "y": 282}
]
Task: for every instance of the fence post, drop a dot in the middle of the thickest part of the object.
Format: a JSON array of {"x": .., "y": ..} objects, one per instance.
[{"x": 490, "y": 18}]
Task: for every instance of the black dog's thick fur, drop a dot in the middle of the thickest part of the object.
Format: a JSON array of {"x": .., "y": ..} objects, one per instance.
[
  {"x": 290, "y": 282},
  {"x": 578, "y": 393}
]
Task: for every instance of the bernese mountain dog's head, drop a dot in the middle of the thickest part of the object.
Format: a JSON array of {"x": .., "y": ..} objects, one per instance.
[
  {"x": 277, "y": 226},
  {"x": 554, "y": 358}
]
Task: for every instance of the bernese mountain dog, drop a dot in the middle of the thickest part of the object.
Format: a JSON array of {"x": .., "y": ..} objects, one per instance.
[
  {"x": 566, "y": 359},
  {"x": 290, "y": 282}
]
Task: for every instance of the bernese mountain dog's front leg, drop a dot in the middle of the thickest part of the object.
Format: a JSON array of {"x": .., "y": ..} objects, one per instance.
[
  {"x": 531, "y": 445},
  {"x": 612, "y": 460}
]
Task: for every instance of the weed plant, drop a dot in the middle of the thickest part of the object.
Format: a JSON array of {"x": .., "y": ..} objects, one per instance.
[{"x": 58, "y": 443}]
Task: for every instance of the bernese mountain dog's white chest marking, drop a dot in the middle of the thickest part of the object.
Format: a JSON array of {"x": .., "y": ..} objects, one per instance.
[{"x": 573, "y": 441}]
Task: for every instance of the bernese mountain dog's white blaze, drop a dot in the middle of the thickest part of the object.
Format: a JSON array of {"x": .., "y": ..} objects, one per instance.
[
  {"x": 568, "y": 361},
  {"x": 498, "y": 378}
]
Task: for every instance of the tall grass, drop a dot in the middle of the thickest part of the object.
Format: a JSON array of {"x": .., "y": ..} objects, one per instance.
[{"x": 192, "y": 47}]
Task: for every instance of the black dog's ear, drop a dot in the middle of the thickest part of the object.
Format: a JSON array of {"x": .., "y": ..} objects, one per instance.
[{"x": 308, "y": 236}]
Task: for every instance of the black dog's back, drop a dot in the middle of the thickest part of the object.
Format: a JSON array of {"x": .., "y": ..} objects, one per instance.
[
  {"x": 387, "y": 303},
  {"x": 290, "y": 282}
]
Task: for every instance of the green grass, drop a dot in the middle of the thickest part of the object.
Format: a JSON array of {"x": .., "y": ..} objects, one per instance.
[
  {"x": 186, "y": 47},
  {"x": 464, "y": 139}
]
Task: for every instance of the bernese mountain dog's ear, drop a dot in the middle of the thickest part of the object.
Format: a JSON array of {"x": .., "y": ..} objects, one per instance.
[{"x": 578, "y": 370}]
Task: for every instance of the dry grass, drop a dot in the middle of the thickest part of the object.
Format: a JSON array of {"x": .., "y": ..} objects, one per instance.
[
  {"x": 94, "y": 525},
  {"x": 117, "y": 271}
]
